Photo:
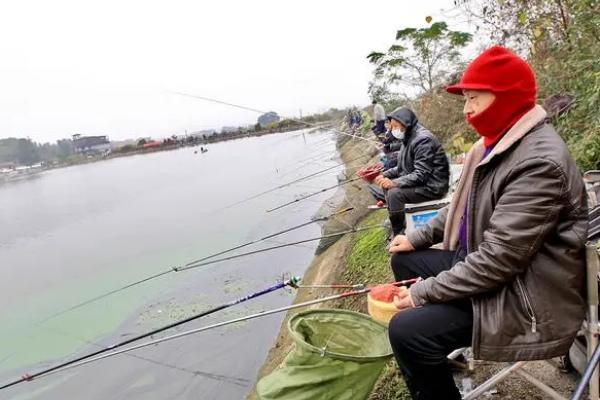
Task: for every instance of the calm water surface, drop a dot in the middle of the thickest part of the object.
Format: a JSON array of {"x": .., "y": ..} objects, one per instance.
[{"x": 73, "y": 233}]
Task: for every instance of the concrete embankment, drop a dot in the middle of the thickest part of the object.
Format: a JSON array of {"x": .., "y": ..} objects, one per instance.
[{"x": 331, "y": 263}]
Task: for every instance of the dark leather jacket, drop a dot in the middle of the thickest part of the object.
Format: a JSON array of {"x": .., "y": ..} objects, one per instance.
[
  {"x": 525, "y": 268},
  {"x": 422, "y": 162}
]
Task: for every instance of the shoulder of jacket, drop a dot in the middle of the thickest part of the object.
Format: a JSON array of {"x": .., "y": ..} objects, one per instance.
[
  {"x": 423, "y": 135},
  {"x": 545, "y": 144}
]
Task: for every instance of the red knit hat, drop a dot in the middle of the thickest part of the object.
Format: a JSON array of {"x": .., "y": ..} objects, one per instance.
[{"x": 511, "y": 80}]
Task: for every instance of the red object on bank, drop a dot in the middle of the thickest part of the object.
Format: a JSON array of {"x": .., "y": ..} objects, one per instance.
[
  {"x": 385, "y": 293},
  {"x": 369, "y": 173}
]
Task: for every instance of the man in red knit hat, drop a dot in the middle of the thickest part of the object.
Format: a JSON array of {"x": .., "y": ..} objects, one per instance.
[{"x": 510, "y": 279}]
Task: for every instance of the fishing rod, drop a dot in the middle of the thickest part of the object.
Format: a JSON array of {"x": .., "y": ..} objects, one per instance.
[
  {"x": 242, "y": 107},
  {"x": 290, "y": 169},
  {"x": 319, "y": 152},
  {"x": 264, "y": 238},
  {"x": 332, "y": 286},
  {"x": 306, "y": 177},
  {"x": 292, "y": 282},
  {"x": 175, "y": 269},
  {"x": 91, "y": 359},
  {"x": 313, "y": 194},
  {"x": 201, "y": 264},
  {"x": 322, "y": 190},
  {"x": 347, "y": 164}
]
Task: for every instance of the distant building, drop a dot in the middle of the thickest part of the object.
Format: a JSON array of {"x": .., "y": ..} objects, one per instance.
[
  {"x": 268, "y": 119},
  {"x": 91, "y": 144}
]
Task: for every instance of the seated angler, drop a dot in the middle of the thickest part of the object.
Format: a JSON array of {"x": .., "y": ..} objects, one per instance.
[
  {"x": 421, "y": 173},
  {"x": 391, "y": 145},
  {"x": 379, "y": 118},
  {"x": 510, "y": 279}
]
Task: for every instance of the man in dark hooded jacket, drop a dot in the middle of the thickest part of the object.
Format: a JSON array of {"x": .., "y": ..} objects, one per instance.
[{"x": 422, "y": 172}]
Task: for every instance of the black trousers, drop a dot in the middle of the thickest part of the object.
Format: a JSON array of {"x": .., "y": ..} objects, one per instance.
[
  {"x": 396, "y": 198},
  {"x": 380, "y": 126},
  {"x": 423, "y": 337}
]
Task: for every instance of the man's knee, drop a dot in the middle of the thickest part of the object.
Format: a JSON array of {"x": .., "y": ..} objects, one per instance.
[
  {"x": 401, "y": 331},
  {"x": 396, "y": 199},
  {"x": 401, "y": 265}
]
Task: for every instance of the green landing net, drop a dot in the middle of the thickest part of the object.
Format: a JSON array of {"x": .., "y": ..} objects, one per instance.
[{"x": 338, "y": 355}]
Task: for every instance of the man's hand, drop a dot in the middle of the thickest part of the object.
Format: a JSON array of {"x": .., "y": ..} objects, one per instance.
[
  {"x": 387, "y": 183},
  {"x": 401, "y": 244},
  {"x": 378, "y": 179},
  {"x": 383, "y": 182},
  {"x": 404, "y": 301}
]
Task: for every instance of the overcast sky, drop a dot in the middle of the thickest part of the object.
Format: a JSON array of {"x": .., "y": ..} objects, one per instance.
[{"x": 107, "y": 67}]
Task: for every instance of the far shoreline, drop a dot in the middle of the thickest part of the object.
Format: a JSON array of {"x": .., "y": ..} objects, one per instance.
[{"x": 32, "y": 172}]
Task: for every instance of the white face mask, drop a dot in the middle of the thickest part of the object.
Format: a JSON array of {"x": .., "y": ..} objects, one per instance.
[{"x": 398, "y": 133}]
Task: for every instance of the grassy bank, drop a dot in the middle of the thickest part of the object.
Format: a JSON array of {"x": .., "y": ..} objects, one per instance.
[
  {"x": 361, "y": 257},
  {"x": 368, "y": 261}
]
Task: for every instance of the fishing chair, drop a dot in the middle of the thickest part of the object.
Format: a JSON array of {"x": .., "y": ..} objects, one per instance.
[{"x": 587, "y": 339}]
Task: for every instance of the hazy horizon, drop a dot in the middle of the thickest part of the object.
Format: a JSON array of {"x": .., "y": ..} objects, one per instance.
[{"x": 110, "y": 68}]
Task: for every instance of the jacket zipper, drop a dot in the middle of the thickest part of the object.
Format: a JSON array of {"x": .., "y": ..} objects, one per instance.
[
  {"x": 476, "y": 316},
  {"x": 528, "y": 306}
]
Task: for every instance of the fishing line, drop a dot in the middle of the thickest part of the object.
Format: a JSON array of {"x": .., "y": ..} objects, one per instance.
[
  {"x": 303, "y": 162},
  {"x": 312, "y": 194},
  {"x": 341, "y": 164},
  {"x": 222, "y": 378},
  {"x": 284, "y": 172},
  {"x": 242, "y": 107},
  {"x": 201, "y": 264},
  {"x": 306, "y": 177},
  {"x": 319, "y": 219}
]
